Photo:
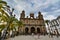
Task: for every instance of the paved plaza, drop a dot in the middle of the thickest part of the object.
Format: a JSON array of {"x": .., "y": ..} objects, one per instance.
[{"x": 35, "y": 37}]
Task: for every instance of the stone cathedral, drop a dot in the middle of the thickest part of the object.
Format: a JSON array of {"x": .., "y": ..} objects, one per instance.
[{"x": 32, "y": 24}]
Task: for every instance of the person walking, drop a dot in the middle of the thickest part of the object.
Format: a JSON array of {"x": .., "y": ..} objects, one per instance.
[
  {"x": 57, "y": 33},
  {"x": 38, "y": 35},
  {"x": 32, "y": 34}
]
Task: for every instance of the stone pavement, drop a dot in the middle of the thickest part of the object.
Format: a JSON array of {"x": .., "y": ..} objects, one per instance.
[{"x": 35, "y": 37}]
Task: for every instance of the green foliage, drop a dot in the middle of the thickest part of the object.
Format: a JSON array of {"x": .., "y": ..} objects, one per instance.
[
  {"x": 2, "y": 27},
  {"x": 2, "y": 3},
  {"x": 46, "y": 21},
  {"x": 19, "y": 23},
  {"x": 11, "y": 20}
]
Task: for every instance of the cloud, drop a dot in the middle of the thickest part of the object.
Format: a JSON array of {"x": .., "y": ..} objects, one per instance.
[
  {"x": 44, "y": 13},
  {"x": 18, "y": 7},
  {"x": 49, "y": 8},
  {"x": 58, "y": 10},
  {"x": 50, "y": 17}
]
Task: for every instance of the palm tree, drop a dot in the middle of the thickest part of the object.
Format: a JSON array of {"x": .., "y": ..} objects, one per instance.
[
  {"x": 20, "y": 24},
  {"x": 2, "y": 27},
  {"x": 47, "y": 22},
  {"x": 13, "y": 22},
  {"x": 3, "y": 16},
  {"x": 2, "y": 12},
  {"x": 2, "y": 3}
]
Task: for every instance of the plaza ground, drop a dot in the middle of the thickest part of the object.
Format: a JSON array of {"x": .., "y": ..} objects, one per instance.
[{"x": 35, "y": 37}]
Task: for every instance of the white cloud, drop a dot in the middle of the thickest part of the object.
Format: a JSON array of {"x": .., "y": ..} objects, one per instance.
[
  {"x": 44, "y": 13},
  {"x": 16, "y": 1},
  {"x": 50, "y": 17},
  {"x": 36, "y": 5},
  {"x": 58, "y": 10},
  {"x": 18, "y": 7}
]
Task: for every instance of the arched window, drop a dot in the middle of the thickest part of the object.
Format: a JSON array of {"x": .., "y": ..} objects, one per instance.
[
  {"x": 26, "y": 30},
  {"x": 38, "y": 30},
  {"x": 32, "y": 30}
]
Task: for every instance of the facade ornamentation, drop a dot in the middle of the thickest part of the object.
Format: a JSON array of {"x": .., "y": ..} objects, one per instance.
[{"x": 32, "y": 24}]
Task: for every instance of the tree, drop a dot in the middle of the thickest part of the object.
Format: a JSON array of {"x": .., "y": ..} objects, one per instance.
[
  {"x": 47, "y": 22},
  {"x": 13, "y": 22},
  {"x": 3, "y": 16},
  {"x": 2, "y": 3},
  {"x": 2, "y": 12},
  {"x": 20, "y": 24}
]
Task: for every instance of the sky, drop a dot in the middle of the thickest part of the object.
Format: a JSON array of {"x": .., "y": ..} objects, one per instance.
[{"x": 49, "y": 8}]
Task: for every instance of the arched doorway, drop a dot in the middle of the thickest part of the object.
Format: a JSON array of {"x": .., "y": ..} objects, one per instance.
[
  {"x": 26, "y": 30},
  {"x": 38, "y": 30},
  {"x": 32, "y": 30}
]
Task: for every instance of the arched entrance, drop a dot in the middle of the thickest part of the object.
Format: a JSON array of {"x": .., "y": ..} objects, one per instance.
[
  {"x": 26, "y": 30},
  {"x": 38, "y": 30},
  {"x": 32, "y": 30}
]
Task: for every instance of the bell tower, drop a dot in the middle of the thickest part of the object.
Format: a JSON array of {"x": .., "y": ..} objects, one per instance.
[
  {"x": 22, "y": 14},
  {"x": 32, "y": 15},
  {"x": 40, "y": 16}
]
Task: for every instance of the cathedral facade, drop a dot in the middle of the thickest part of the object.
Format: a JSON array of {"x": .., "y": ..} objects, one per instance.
[{"x": 32, "y": 24}]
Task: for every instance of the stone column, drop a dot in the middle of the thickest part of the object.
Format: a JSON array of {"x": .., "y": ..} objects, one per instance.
[
  {"x": 29, "y": 30},
  {"x": 36, "y": 30}
]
